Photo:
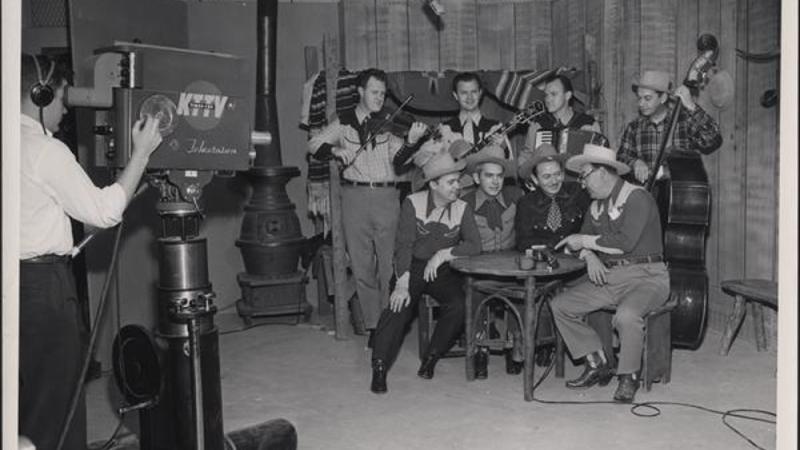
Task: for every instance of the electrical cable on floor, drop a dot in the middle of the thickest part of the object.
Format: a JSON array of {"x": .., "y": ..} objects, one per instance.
[{"x": 635, "y": 407}]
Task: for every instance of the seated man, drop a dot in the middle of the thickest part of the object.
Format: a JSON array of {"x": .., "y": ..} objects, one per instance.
[
  {"x": 495, "y": 207},
  {"x": 435, "y": 227},
  {"x": 555, "y": 209},
  {"x": 620, "y": 240}
]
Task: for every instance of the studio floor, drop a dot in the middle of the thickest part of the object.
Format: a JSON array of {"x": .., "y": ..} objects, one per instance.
[{"x": 321, "y": 385}]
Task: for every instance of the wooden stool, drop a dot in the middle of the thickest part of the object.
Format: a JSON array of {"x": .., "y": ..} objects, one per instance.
[
  {"x": 657, "y": 351},
  {"x": 759, "y": 292},
  {"x": 427, "y": 322}
]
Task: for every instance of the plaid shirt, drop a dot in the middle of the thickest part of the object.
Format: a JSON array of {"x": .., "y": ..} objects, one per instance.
[{"x": 695, "y": 131}]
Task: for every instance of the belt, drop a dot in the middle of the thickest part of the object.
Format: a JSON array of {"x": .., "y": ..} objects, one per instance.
[
  {"x": 370, "y": 184},
  {"x": 46, "y": 259},
  {"x": 634, "y": 260}
]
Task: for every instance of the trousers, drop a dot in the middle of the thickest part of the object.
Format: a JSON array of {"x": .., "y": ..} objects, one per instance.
[
  {"x": 52, "y": 345},
  {"x": 447, "y": 289},
  {"x": 369, "y": 219},
  {"x": 634, "y": 290}
]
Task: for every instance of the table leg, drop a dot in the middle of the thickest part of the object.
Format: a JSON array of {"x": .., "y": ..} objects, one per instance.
[
  {"x": 469, "y": 357},
  {"x": 530, "y": 337},
  {"x": 757, "y": 313},
  {"x": 734, "y": 321}
]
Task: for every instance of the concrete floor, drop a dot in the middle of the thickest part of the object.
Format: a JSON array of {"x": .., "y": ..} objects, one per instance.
[{"x": 301, "y": 373}]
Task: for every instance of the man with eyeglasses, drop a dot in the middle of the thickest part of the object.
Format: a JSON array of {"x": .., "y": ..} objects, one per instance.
[{"x": 620, "y": 240}]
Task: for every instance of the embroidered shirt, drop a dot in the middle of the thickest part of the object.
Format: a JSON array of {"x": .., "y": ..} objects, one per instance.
[
  {"x": 628, "y": 220},
  {"x": 425, "y": 228},
  {"x": 374, "y": 163},
  {"x": 531, "y": 224},
  {"x": 493, "y": 239}
]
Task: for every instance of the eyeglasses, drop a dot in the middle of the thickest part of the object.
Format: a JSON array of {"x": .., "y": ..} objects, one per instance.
[{"x": 583, "y": 176}]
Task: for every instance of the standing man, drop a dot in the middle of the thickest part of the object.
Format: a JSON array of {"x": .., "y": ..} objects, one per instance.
[
  {"x": 695, "y": 131},
  {"x": 546, "y": 128},
  {"x": 495, "y": 207},
  {"x": 55, "y": 188},
  {"x": 555, "y": 209},
  {"x": 370, "y": 198},
  {"x": 620, "y": 240},
  {"x": 435, "y": 227}
]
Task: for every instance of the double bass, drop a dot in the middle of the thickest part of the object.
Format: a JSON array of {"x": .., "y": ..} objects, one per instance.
[{"x": 684, "y": 201}]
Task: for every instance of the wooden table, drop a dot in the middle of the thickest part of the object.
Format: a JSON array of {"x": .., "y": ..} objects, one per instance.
[
  {"x": 759, "y": 292},
  {"x": 504, "y": 264}
]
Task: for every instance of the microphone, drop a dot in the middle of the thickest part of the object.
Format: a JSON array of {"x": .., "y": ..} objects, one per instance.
[{"x": 435, "y": 6}]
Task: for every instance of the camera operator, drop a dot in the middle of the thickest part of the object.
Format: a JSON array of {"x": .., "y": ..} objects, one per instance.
[{"x": 54, "y": 187}]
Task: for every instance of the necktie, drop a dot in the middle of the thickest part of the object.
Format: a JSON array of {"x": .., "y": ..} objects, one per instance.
[
  {"x": 493, "y": 211},
  {"x": 554, "y": 216},
  {"x": 469, "y": 131}
]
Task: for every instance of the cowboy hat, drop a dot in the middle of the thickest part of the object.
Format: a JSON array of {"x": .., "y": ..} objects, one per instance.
[
  {"x": 595, "y": 154},
  {"x": 441, "y": 164},
  {"x": 490, "y": 154},
  {"x": 544, "y": 152},
  {"x": 653, "y": 79}
]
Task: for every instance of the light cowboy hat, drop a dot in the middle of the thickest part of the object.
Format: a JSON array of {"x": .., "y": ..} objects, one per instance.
[
  {"x": 439, "y": 163},
  {"x": 544, "y": 152},
  {"x": 595, "y": 154},
  {"x": 490, "y": 154},
  {"x": 653, "y": 79}
]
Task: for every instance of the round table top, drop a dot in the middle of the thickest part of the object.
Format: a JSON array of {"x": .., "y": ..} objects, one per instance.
[{"x": 505, "y": 264}]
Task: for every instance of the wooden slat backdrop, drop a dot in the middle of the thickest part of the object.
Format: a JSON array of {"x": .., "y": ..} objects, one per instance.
[{"x": 624, "y": 37}]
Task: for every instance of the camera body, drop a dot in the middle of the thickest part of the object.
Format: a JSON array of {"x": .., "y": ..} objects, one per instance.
[{"x": 198, "y": 97}]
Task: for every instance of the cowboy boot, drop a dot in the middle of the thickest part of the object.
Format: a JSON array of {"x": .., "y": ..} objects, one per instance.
[
  {"x": 513, "y": 367},
  {"x": 378, "y": 384},
  {"x": 482, "y": 363},
  {"x": 426, "y": 368},
  {"x": 627, "y": 387},
  {"x": 596, "y": 371}
]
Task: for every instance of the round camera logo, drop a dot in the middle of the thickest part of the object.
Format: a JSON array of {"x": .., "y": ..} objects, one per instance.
[{"x": 202, "y": 104}]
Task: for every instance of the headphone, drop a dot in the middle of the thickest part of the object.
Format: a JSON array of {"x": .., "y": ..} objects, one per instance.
[{"x": 42, "y": 93}]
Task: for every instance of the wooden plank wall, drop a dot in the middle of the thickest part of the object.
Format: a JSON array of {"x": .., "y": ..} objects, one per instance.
[
  {"x": 661, "y": 34},
  {"x": 473, "y": 34}
]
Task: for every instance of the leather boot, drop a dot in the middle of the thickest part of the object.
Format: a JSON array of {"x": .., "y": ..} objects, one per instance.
[
  {"x": 482, "y": 363},
  {"x": 627, "y": 387},
  {"x": 598, "y": 373},
  {"x": 378, "y": 384},
  {"x": 426, "y": 368},
  {"x": 513, "y": 367}
]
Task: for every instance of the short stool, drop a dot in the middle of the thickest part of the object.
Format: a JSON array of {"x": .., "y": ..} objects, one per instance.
[
  {"x": 758, "y": 293},
  {"x": 657, "y": 352}
]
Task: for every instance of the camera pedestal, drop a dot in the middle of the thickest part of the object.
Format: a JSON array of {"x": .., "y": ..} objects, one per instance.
[{"x": 270, "y": 296}]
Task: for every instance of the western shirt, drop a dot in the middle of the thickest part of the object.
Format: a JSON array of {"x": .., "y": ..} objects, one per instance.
[
  {"x": 627, "y": 220},
  {"x": 695, "y": 131},
  {"x": 425, "y": 228},
  {"x": 374, "y": 163},
  {"x": 532, "y": 209},
  {"x": 493, "y": 239}
]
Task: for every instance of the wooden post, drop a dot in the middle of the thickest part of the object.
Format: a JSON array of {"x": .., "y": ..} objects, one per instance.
[{"x": 330, "y": 49}]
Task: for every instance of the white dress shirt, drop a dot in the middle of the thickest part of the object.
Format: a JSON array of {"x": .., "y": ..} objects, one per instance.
[{"x": 55, "y": 187}]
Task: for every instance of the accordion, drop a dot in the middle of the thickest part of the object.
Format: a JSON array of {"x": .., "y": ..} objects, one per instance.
[{"x": 569, "y": 141}]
